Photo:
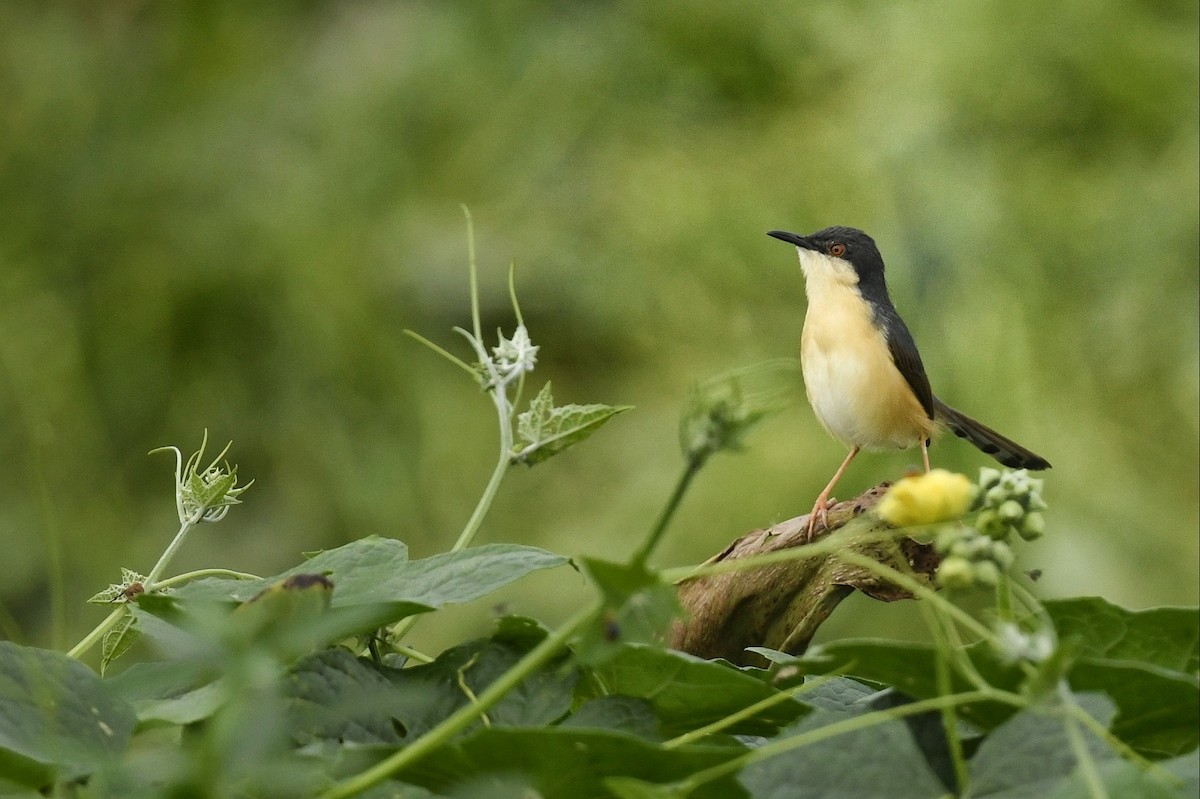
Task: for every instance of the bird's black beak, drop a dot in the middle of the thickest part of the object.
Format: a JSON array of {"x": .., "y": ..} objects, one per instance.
[{"x": 792, "y": 238}]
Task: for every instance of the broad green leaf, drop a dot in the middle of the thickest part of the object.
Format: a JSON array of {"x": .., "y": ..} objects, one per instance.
[
  {"x": 625, "y": 713},
  {"x": 1159, "y": 709},
  {"x": 57, "y": 713},
  {"x": 565, "y": 763},
  {"x": 1166, "y": 637},
  {"x": 374, "y": 582},
  {"x": 1030, "y": 755},
  {"x": 1146, "y": 661},
  {"x": 429, "y": 693},
  {"x": 687, "y": 692},
  {"x": 1123, "y": 780},
  {"x": 336, "y": 696},
  {"x": 877, "y": 761},
  {"x": 376, "y": 570},
  {"x": 545, "y": 430}
]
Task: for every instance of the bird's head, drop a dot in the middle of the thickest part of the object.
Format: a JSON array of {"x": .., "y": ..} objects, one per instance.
[{"x": 844, "y": 254}]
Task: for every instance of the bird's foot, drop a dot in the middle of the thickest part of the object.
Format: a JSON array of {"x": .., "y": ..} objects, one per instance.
[{"x": 820, "y": 513}]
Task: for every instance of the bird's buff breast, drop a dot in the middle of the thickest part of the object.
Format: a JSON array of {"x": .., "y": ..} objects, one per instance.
[{"x": 855, "y": 389}]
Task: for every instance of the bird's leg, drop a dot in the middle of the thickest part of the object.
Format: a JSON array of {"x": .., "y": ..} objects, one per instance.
[
  {"x": 821, "y": 508},
  {"x": 925, "y": 453}
]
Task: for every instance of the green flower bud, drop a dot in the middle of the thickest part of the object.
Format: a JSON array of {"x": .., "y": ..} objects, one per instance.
[
  {"x": 988, "y": 477},
  {"x": 1010, "y": 510},
  {"x": 947, "y": 537},
  {"x": 987, "y": 572},
  {"x": 1033, "y": 526},
  {"x": 995, "y": 496},
  {"x": 990, "y": 524},
  {"x": 955, "y": 572}
]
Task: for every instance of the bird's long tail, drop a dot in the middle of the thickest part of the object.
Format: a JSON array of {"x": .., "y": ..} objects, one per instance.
[{"x": 1005, "y": 450}]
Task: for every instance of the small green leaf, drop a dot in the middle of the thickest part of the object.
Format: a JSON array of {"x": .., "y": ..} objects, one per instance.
[
  {"x": 116, "y": 642},
  {"x": 545, "y": 430},
  {"x": 56, "y": 712}
]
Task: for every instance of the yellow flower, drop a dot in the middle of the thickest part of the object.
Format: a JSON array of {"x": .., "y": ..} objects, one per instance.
[{"x": 936, "y": 496}]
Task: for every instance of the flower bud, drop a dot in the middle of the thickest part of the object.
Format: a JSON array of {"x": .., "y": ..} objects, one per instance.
[{"x": 955, "y": 572}]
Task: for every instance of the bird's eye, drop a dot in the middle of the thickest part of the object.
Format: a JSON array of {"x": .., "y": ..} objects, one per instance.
[{"x": 837, "y": 249}]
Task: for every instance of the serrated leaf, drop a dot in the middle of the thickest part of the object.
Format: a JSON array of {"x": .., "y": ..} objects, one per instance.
[
  {"x": 57, "y": 713},
  {"x": 117, "y": 641},
  {"x": 545, "y": 430}
]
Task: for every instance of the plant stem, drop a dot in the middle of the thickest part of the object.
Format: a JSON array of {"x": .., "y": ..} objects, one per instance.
[
  {"x": 489, "y": 492},
  {"x": 169, "y": 552},
  {"x": 95, "y": 635},
  {"x": 467, "y": 714},
  {"x": 660, "y": 526}
]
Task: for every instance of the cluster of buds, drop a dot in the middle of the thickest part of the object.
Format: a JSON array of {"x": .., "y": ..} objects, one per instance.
[{"x": 1008, "y": 502}]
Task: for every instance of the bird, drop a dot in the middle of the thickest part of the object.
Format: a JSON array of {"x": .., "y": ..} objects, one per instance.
[{"x": 862, "y": 372}]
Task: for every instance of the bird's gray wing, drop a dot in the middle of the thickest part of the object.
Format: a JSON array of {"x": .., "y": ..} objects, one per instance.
[{"x": 908, "y": 360}]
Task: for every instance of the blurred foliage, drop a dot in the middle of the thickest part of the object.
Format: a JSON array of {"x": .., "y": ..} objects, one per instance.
[{"x": 223, "y": 216}]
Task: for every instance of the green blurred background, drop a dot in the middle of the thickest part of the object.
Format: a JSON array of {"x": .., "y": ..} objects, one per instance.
[{"x": 223, "y": 216}]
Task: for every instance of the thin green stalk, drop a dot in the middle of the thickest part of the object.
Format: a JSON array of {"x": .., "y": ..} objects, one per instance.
[
  {"x": 1087, "y": 765},
  {"x": 916, "y": 588},
  {"x": 660, "y": 526},
  {"x": 489, "y": 492},
  {"x": 819, "y": 549},
  {"x": 853, "y": 724},
  {"x": 172, "y": 548},
  {"x": 92, "y": 638},
  {"x": 198, "y": 574},
  {"x": 473, "y": 269},
  {"x": 1004, "y": 599},
  {"x": 962, "y": 775},
  {"x": 466, "y": 715}
]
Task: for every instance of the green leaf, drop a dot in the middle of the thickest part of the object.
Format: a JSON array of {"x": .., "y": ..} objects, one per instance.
[
  {"x": 881, "y": 760},
  {"x": 1146, "y": 661},
  {"x": 565, "y": 763},
  {"x": 336, "y": 696},
  {"x": 1166, "y": 637},
  {"x": 431, "y": 692},
  {"x": 626, "y": 713},
  {"x": 638, "y": 608},
  {"x": 687, "y": 692},
  {"x": 56, "y": 717},
  {"x": 1124, "y": 780},
  {"x": 376, "y": 570},
  {"x": 374, "y": 582},
  {"x": 117, "y": 641},
  {"x": 1030, "y": 755},
  {"x": 545, "y": 430}
]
